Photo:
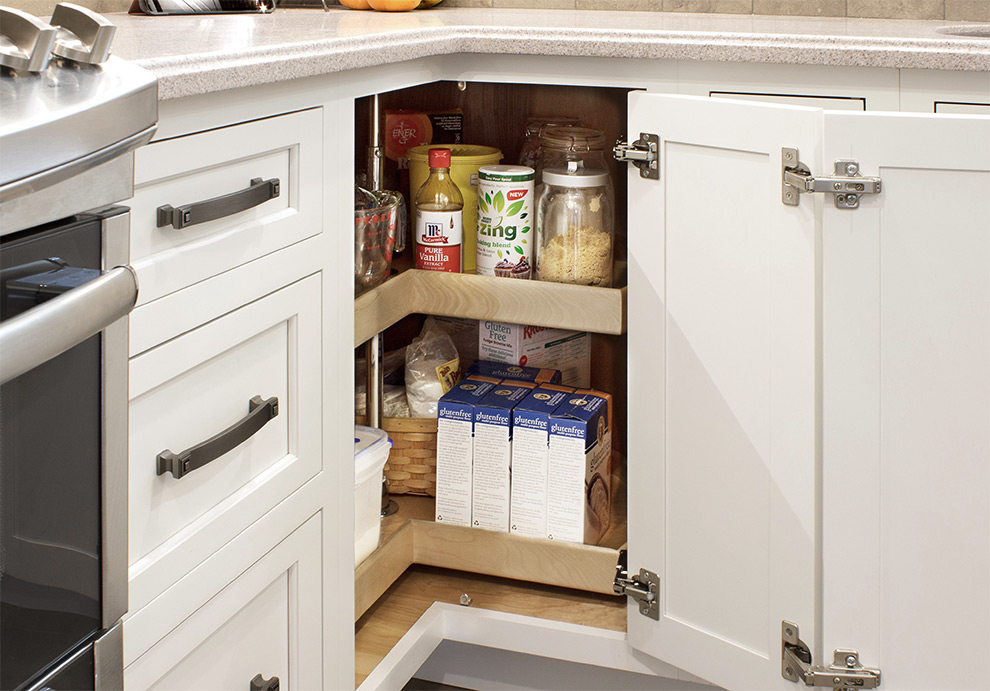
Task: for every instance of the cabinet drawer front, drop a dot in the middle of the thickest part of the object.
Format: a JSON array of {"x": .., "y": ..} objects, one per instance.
[
  {"x": 198, "y": 385},
  {"x": 205, "y": 166},
  {"x": 264, "y": 622}
]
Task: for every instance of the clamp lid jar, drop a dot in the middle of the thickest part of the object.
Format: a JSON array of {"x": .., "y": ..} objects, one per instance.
[
  {"x": 563, "y": 145},
  {"x": 532, "y": 152},
  {"x": 575, "y": 221}
]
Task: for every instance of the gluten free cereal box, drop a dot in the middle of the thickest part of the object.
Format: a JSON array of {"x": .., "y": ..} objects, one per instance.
[
  {"x": 455, "y": 448},
  {"x": 493, "y": 453},
  {"x": 530, "y": 454},
  {"x": 501, "y": 370},
  {"x": 538, "y": 346},
  {"x": 579, "y": 494}
]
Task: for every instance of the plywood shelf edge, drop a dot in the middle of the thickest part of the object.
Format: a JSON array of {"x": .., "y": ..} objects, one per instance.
[
  {"x": 537, "y": 303},
  {"x": 570, "y": 565}
]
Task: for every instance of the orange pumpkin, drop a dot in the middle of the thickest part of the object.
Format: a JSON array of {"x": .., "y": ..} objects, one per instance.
[
  {"x": 394, "y": 5},
  {"x": 356, "y": 4},
  {"x": 428, "y": 3}
]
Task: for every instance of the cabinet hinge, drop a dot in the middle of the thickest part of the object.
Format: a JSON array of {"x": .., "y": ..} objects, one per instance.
[
  {"x": 644, "y": 153},
  {"x": 644, "y": 588},
  {"x": 845, "y": 672},
  {"x": 847, "y": 185}
]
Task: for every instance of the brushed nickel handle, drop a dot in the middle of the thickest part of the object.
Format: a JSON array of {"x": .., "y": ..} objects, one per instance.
[
  {"x": 259, "y": 683},
  {"x": 260, "y": 412},
  {"x": 258, "y": 192}
]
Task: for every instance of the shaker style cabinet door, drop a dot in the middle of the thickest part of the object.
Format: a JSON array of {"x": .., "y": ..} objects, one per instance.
[
  {"x": 224, "y": 423},
  {"x": 261, "y": 632},
  {"x": 906, "y": 497},
  {"x": 809, "y": 425},
  {"x": 723, "y": 450},
  {"x": 210, "y": 201}
]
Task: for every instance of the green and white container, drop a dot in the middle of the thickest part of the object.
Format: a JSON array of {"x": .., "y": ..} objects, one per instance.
[{"x": 506, "y": 239}]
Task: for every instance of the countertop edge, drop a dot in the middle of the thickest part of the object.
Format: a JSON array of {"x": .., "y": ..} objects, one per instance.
[{"x": 205, "y": 72}]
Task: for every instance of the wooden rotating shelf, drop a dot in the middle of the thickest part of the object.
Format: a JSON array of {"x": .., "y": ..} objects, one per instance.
[
  {"x": 420, "y": 562},
  {"x": 537, "y": 303},
  {"x": 410, "y": 537},
  {"x": 418, "y": 588}
]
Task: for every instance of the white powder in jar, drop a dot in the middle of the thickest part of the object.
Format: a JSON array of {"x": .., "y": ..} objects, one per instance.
[{"x": 582, "y": 255}]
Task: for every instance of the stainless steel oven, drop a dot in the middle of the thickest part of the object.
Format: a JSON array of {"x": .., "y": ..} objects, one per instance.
[
  {"x": 68, "y": 127},
  {"x": 63, "y": 440}
]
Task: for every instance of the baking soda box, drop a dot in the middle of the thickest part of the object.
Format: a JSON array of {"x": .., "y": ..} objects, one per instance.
[
  {"x": 493, "y": 453},
  {"x": 501, "y": 370},
  {"x": 530, "y": 454},
  {"x": 579, "y": 493},
  {"x": 537, "y": 346},
  {"x": 455, "y": 448}
]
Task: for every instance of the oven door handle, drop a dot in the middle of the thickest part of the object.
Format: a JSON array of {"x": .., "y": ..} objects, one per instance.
[{"x": 47, "y": 331}]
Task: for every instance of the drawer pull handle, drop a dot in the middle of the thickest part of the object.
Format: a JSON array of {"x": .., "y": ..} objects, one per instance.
[
  {"x": 259, "y": 683},
  {"x": 260, "y": 412},
  {"x": 258, "y": 192}
]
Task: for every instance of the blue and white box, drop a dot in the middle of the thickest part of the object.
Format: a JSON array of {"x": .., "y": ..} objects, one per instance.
[
  {"x": 579, "y": 493},
  {"x": 455, "y": 448},
  {"x": 502, "y": 370},
  {"x": 493, "y": 454},
  {"x": 530, "y": 454}
]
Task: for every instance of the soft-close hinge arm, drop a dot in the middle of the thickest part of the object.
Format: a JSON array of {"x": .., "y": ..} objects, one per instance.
[
  {"x": 644, "y": 588},
  {"x": 845, "y": 672},
  {"x": 847, "y": 184},
  {"x": 644, "y": 153}
]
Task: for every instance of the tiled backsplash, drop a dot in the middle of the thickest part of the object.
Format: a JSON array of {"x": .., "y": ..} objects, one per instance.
[{"x": 960, "y": 10}]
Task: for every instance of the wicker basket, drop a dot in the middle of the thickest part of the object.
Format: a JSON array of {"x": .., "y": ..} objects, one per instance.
[{"x": 412, "y": 462}]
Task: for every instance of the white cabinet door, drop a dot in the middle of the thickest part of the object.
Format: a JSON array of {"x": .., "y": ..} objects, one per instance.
[
  {"x": 266, "y": 621},
  {"x": 723, "y": 387},
  {"x": 196, "y": 386},
  {"x": 906, "y": 434}
]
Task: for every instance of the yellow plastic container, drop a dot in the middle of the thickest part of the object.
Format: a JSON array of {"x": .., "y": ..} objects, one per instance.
[{"x": 465, "y": 159}]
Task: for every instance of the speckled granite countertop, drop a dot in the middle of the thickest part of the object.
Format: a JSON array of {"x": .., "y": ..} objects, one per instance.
[{"x": 200, "y": 54}]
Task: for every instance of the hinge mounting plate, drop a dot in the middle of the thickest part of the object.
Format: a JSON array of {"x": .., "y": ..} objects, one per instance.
[
  {"x": 644, "y": 153},
  {"x": 846, "y": 186},
  {"x": 644, "y": 588},
  {"x": 844, "y": 673}
]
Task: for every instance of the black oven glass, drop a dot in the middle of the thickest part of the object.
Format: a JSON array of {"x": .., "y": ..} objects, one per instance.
[{"x": 50, "y": 460}]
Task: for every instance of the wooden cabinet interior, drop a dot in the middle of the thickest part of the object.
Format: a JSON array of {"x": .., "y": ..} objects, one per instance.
[
  {"x": 418, "y": 561},
  {"x": 495, "y": 115}
]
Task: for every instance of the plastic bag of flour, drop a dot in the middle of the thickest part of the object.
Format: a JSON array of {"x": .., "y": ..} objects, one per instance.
[{"x": 432, "y": 369}]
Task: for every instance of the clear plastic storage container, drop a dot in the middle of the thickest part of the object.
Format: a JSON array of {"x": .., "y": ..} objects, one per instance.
[
  {"x": 371, "y": 447},
  {"x": 575, "y": 219}
]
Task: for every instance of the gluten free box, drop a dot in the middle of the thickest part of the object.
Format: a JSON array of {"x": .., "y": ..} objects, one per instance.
[
  {"x": 455, "y": 449},
  {"x": 579, "y": 496}
]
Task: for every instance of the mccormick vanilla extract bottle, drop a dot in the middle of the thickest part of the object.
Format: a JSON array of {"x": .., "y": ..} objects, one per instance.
[{"x": 439, "y": 211}]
